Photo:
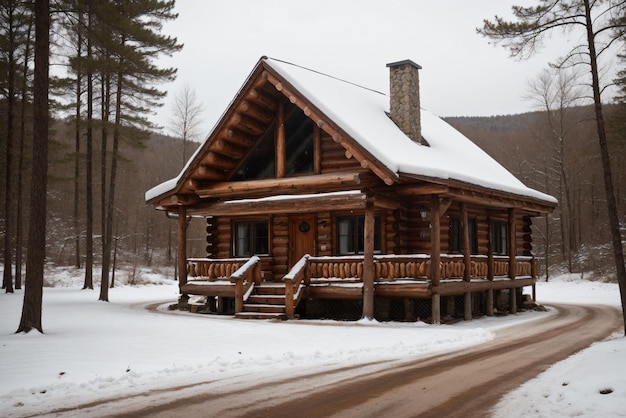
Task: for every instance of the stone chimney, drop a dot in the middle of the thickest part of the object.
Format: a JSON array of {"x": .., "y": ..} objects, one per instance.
[{"x": 404, "y": 92}]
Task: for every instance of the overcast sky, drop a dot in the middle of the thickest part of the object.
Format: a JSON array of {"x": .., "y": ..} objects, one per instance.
[{"x": 462, "y": 74}]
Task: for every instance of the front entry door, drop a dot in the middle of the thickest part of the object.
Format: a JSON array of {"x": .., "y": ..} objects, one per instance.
[{"x": 301, "y": 237}]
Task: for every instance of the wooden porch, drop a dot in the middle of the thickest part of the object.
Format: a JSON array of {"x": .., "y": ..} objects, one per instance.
[{"x": 395, "y": 276}]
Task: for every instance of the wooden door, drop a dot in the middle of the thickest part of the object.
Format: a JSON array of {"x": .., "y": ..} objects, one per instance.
[{"x": 301, "y": 237}]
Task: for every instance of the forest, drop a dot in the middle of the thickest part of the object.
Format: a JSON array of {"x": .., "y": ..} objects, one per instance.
[{"x": 102, "y": 153}]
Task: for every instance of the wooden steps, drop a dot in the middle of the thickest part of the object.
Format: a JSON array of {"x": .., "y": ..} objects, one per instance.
[{"x": 267, "y": 301}]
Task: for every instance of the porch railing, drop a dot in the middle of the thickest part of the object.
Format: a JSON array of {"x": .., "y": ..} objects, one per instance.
[
  {"x": 392, "y": 267},
  {"x": 243, "y": 273}
]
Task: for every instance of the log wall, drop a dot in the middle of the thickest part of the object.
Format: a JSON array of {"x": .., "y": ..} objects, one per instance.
[
  {"x": 324, "y": 234},
  {"x": 334, "y": 156},
  {"x": 211, "y": 237},
  {"x": 224, "y": 237},
  {"x": 404, "y": 233},
  {"x": 279, "y": 246}
]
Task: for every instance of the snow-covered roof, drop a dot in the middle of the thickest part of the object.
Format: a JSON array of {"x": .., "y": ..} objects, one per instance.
[{"x": 363, "y": 114}]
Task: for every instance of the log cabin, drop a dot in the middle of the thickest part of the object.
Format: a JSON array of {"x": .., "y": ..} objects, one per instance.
[{"x": 323, "y": 198}]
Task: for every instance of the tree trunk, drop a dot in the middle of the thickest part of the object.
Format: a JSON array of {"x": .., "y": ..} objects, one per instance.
[
  {"x": 108, "y": 234},
  {"x": 7, "y": 279},
  {"x": 77, "y": 151},
  {"x": 88, "y": 284},
  {"x": 20, "y": 165},
  {"x": 33, "y": 294},
  {"x": 618, "y": 252}
]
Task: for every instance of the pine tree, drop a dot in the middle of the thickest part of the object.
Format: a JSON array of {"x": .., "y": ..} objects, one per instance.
[{"x": 134, "y": 44}]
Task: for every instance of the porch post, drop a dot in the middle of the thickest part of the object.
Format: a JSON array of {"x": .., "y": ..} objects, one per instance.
[
  {"x": 182, "y": 254},
  {"x": 435, "y": 253},
  {"x": 467, "y": 274},
  {"x": 280, "y": 141},
  {"x": 512, "y": 259},
  {"x": 489, "y": 307},
  {"x": 368, "y": 263}
]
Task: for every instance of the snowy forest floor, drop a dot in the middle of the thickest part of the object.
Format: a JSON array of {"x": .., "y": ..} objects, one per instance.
[{"x": 93, "y": 350}]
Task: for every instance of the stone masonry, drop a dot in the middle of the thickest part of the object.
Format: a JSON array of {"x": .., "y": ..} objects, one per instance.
[{"x": 404, "y": 91}]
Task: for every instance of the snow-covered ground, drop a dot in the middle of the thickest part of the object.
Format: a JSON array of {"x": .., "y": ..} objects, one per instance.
[{"x": 93, "y": 350}]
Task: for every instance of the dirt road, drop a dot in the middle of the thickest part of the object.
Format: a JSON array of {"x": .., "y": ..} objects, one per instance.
[{"x": 464, "y": 383}]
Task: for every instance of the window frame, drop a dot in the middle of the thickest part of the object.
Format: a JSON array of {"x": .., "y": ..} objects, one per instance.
[
  {"x": 292, "y": 132},
  {"x": 251, "y": 237},
  {"x": 358, "y": 238},
  {"x": 456, "y": 235},
  {"x": 499, "y": 236}
]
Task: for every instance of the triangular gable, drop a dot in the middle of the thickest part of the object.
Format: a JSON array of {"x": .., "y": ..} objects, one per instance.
[{"x": 240, "y": 131}]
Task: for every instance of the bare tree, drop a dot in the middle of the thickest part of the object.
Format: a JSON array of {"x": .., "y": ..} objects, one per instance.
[
  {"x": 186, "y": 117},
  {"x": 556, "y": 92},
  {"x": 602, "y": 27}
]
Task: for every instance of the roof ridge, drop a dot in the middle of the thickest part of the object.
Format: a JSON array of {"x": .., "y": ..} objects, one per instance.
[{"x": 325, "y": 75}]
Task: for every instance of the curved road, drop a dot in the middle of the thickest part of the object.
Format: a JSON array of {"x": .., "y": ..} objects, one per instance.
[{"x": 464, "y": 383}]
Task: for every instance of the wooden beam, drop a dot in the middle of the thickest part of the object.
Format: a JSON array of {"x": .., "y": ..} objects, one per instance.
[
  {"x": 261, "y": 99},
  {"x": 421, "y": 189},
  {"x": 494, "y": 199},
  {"x": 205, "y": 172},
  {"x": 280, "y": 141},
  {"x": 368, "y": 263},
  {"x": 467, "y": 253},
  {"x": 182, "y": 246},
  {"x": 254, "y": 111},
  {"x": 238, "y": 138},
  {"x": 467, "y": 306},
  {"x": 218, "y": 161},
  {"x": 512, "y": 243},
  {"x": 246, "y": 124},
  {"x": 444, "y": 206},
  {"x": 293, "y": 204},
  {"x": 317, "y": 149},
  {"x": 435, "y": 241},
  {"x": 222, "y": 147},
  {"x": 512, "y": 259},
  {"x": 289, "y": 185},
  {"x": 183, "y": 199},
  {"x": 490, "y": 251}
]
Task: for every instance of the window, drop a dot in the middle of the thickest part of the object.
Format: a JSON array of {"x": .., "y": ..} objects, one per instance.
[
  {"x": 299, "y": 149},
  {"x": 351, "y": 235},
  {"x": 251, "y": 238},
  {"x": 298, "y": 143},
  {"x": 261, "y": 164},
  {"x": 499, "y": 238},
  {"x": 456, "y": 236}
]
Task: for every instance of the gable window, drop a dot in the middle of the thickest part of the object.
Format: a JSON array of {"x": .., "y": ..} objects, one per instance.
[
  {"x": 351, "y": 235},
  {"x": 261, "y": 163},
  {"x": 299, "y": 147},
  {"x": 499, "y": 238},
  {"x": 250, "y": 238},
  {"x": 456, "y": 235}
]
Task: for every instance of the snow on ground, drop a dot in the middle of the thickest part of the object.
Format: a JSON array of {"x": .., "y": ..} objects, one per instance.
[
  {"x": 591, "y": 383},
  {"x": 93, "y": 350}
]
